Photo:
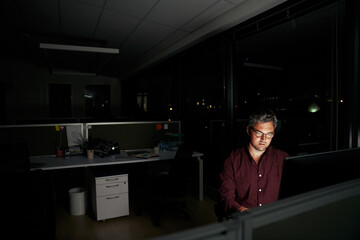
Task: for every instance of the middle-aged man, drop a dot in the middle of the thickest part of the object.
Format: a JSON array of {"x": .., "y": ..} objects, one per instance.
[{"x": 251, "y": 174}]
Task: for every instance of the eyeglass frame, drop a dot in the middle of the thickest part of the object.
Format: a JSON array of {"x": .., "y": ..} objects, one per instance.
[{"x": 262, "y": 134}]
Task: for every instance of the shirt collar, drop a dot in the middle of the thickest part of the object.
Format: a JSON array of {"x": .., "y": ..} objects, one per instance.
[{"x": 268, "y": 149}]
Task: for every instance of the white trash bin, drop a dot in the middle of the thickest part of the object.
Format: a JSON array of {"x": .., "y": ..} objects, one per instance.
[{"x": 77, "y": 197}]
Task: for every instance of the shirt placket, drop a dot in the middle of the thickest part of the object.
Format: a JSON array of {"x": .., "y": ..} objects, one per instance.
[{"x": 260, "y": 184}]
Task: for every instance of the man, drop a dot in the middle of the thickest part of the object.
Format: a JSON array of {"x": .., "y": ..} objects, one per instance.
[{"x": 251, "y": 174}]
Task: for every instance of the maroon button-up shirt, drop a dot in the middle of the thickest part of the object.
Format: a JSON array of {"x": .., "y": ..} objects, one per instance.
[{"x": 244, "y": 183}]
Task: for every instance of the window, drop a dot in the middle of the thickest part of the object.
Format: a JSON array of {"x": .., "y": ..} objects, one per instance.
[
  {"x": 141, "y": 101},
  {"x": 289, "y": 68},
  {"x": 97, "y": 101}
]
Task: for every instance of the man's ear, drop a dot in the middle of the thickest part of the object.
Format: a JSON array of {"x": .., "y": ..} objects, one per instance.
[{"x": 248, "y": 130}]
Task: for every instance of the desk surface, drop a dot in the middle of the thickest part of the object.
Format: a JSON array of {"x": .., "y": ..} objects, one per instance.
[{"x": 52, "y": 162}]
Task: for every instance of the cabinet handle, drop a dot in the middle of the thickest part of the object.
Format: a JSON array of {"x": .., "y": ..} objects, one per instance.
[
  {"x": 109, "y": 186},
  {"x": 111, "y": 179},
  {"x": 112, "y": 197}
]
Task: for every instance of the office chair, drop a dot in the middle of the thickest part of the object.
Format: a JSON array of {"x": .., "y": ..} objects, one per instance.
[{"x": 171, "y": 187}]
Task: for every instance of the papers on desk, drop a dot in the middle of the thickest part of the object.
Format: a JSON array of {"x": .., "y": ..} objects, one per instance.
[
  {"x": 74, "y": 136},
  {"x": 146, "y": 155}
]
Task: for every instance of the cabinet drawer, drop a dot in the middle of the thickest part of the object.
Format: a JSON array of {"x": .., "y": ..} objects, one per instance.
[
  {"x": 111, "y": 188},
  {"x": 111, "y": 179},
  {"x": 112, "y": 206}
]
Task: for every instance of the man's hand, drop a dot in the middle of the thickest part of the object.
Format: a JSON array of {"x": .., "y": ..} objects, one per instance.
[{"x": 241, "y": 209}]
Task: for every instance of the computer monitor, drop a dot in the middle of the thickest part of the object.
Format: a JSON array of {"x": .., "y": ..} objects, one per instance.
[{"x": 305, "y": 173}]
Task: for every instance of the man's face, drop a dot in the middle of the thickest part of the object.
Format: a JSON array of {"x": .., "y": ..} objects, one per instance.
[{"x": 261, "y": 135}]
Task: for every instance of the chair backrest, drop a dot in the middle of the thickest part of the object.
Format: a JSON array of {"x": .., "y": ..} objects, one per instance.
[{"x": 180, "y": 166}]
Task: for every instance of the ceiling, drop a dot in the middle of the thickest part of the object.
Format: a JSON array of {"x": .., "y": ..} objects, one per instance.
[{"x": 142, "y": 31}]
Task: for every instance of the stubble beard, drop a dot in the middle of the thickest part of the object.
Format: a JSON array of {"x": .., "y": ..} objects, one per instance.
[{"x": 258, "y": 147}]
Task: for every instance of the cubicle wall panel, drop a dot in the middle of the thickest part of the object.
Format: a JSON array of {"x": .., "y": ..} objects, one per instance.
[
  {"x": 134, "y": 135},
  {"x": 338, "y": 220},
  {"x": 41, "y": 139}
]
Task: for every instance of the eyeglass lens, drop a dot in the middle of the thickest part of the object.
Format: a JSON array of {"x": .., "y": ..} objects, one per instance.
[{"x": 260, "y": 134}]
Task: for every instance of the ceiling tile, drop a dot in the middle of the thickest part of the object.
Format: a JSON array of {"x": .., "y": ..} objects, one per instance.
[
  {"x": 43, "y": 16},
  {"x": 136, "y": 8},
  {"x": 98, "y": 3},
  {"x": 176, "y": 13},
  {"x": 168, "y": 41},
  {"x": 145, "y": 37},
  {"x": 208, "y": 15},
  {"x": 115, "y": 26},
  {"x": 141, "y": 29},
  {"x": 78, "y": 19}
]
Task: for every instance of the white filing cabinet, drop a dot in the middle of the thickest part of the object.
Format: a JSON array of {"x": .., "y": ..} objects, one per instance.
[{"x": 110, "y": 197}]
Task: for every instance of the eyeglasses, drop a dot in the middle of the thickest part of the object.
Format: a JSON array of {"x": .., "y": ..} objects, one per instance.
[{"x": 259, "y": 134}]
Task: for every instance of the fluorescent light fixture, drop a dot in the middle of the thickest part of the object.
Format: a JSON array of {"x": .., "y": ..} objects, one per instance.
[{"x": 78, "y": 48}]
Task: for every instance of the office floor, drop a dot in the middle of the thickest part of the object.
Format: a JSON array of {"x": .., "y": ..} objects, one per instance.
[{"x": 133, "y": 226}]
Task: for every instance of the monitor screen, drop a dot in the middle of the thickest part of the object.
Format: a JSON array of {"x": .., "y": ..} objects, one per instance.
[{"x": 305, "y": 173}]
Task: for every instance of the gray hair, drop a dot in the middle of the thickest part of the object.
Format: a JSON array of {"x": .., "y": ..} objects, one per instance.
[{"x": 263, "y": 116}]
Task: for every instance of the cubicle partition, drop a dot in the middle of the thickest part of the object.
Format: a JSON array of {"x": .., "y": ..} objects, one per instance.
[
  {"x": 331, "y": 212},
  {"x": 43, "y": 139},
  {"x": 136, "y": 135}
]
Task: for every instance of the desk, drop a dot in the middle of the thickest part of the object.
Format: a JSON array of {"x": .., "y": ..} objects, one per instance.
[{"x": 54, "y": 163}]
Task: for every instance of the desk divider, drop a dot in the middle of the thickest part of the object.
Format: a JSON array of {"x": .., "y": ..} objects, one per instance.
[
  {"x": 136, "y": 135},
  {"x": 43, "y": 139},
  {"x": 331, "y": 212}
]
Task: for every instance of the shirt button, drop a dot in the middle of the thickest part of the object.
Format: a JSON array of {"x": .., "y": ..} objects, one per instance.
[
  {"x": 260, "y": 190},
  {"x": 260, "y": 175},
  {"x": 260, "y": 205}
]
